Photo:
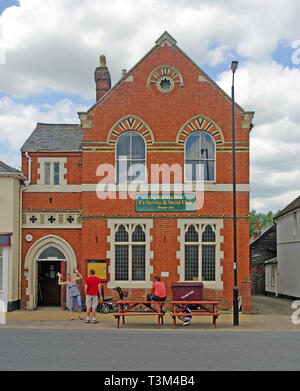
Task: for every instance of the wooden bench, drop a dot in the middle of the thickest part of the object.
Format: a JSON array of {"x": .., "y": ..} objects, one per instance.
[
  {"x": 207, "y": 308},
  {"x": 145, "y": 308}
]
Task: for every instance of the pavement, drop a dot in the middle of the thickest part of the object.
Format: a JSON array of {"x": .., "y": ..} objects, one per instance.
[{"x": 267, "y": 314}]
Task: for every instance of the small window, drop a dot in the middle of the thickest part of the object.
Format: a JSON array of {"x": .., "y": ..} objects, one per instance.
[{"x": 52, "y": 171}]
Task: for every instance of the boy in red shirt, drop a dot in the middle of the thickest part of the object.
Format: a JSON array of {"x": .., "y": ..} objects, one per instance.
[{"x": 92, "y": 287}]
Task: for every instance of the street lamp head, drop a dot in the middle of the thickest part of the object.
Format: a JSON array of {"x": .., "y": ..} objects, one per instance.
[{"x": 234, "y": 65}]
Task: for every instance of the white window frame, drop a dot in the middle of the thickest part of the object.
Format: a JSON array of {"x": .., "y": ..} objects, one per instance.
[
  {"x": 4, "y": 291},
  {"x": 62, "y": 170},
  {"x": 130, "y": 225},
  {"x": 200, "y": 225},
  {"x": 215, "y": 160}
]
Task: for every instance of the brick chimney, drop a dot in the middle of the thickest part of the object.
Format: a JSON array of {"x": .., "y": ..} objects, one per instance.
[
  {"x": 257, "y": 232},
  {"x": 102, "y": 78}
]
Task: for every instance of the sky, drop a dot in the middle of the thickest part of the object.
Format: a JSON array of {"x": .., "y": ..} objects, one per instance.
[{"x": 49, "y": 50}]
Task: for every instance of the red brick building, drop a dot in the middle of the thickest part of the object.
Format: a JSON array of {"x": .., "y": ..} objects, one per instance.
[{"x": 164, "y": 111}]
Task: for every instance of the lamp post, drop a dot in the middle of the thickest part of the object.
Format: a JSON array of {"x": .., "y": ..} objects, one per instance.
[{"x": 234, "y": 66}]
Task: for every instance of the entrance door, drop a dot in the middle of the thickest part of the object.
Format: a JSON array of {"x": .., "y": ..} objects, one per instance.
[{"x": 49, "y": 292}]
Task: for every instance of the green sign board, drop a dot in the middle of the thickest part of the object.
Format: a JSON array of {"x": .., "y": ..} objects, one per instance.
[{"x": 161, "y": 203}]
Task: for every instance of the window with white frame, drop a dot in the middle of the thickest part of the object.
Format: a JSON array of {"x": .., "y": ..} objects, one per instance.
[
  {"x": 130, "y": 253},
  {"x": 200, "y": 157},
  {"x": 130, "y": 158},
  {"x": 52, "y": 171},
  {"x": 200, "y": 252}
]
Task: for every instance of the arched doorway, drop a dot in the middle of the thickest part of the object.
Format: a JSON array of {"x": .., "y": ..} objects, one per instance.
[
  {"x": 49, "y": 262},
  {"x": 47, "y": 255}
]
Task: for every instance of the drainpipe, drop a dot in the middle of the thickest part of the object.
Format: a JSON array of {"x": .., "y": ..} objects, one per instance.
[{"x": 27, "y": 183}]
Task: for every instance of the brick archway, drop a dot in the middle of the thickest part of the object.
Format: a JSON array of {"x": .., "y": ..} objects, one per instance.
[
  {"x": 200, "y": 122},
  {"x": 130, "y": 122}
]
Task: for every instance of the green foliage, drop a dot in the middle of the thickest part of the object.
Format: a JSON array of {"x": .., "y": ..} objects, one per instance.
[{"x": 263, "y": 220}]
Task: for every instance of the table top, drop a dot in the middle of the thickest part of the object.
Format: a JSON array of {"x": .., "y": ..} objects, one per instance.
[
  {"x": 139, "y": 302},
  {"x": 195, "y": 302}
]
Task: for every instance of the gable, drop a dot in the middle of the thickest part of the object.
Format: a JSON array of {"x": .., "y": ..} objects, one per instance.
[{"x": 165, "y": 90}]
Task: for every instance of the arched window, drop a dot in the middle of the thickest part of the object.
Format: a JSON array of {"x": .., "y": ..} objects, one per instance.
[
  {"x": 200, "y": 253},
  {"x": 121, "y": 234},
  {"x": 51, "y": 253},
  {"x": 200, "y": 152},
  {"x": 130, "y": 158}
]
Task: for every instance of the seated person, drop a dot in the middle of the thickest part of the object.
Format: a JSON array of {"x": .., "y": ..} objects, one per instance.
[{"x": 158, "y": 292}]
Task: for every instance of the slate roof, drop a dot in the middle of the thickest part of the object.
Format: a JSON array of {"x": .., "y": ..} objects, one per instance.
[
  {"x": 289, "y": 208},
  {"x": 5, "y": 169},
  {"x": 54, "y": 137}
]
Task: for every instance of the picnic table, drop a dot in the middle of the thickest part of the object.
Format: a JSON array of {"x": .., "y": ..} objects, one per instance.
[
  {"x": 203, "y": 308},
  {"x": 140, "y": 307}
]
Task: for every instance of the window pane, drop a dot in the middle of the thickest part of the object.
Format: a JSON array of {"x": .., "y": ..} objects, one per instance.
[
  {"x": 123, "y": 145},
  {"x": 194, "y": 170},
  {"x": 56, "y": 173},
  {"x": 121, "y": 235},
  {"x": 137, "y": 146},
  {"x": 191, "y": 263},
  {"x": 4, "y": 240},
  {"x": 1, "y": 270},
  {"x": 136, "y": 171},
  {"x": 208, "y": 235},
  {"x": 121, "y": 263},
  {"x": 122, "y": 170},
  {"x": 47, "y": 173},
  {"x": 207, "y": 146},
  {"x": 208, "y": 263},
  {"x": 191, "y": 235},
  {"x": 138, "y": 235},
  {"x": 192, "y": 146},
  {"x": 138, "y": 263},
  {"x": 209, "y": 169}
]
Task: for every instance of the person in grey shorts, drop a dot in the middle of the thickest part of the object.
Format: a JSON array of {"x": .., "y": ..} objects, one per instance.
[
  {"x": 73, "y": 291},
  {"x": 92, "y": 286}
]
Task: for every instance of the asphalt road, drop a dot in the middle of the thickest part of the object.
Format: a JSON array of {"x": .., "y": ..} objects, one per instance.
[{"x": 140, "y": 350}]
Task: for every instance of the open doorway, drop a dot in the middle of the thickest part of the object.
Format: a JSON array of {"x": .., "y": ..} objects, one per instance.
[{"x": 48, "y": 292}]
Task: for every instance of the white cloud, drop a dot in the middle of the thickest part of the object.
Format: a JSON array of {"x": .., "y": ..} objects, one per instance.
[
  {"x": 54, "y": 46},
  {"x": 17, "y": 122},
  {"x": 273, "y": 91}
]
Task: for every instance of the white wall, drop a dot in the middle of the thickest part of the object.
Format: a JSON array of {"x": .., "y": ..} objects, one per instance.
[
  {"x": 288, "y": 254},
  {"x": 10, "y": 223}
]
